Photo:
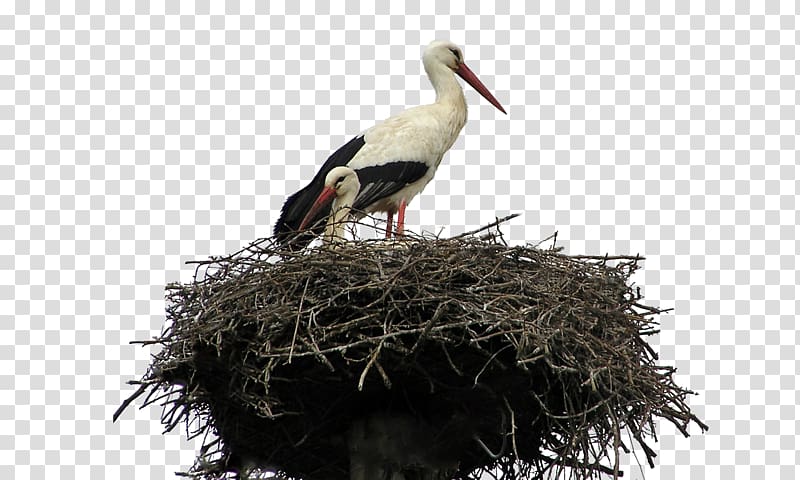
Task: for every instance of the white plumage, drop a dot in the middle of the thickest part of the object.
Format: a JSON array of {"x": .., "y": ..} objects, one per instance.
[{"x": 395, "y": 159}]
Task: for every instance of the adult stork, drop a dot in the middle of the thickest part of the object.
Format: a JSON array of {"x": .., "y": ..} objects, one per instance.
[{"x": 394, "y": 160}]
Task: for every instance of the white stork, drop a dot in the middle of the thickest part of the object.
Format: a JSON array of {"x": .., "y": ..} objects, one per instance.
[
  {"x": 395, "y": 159},
  {"x": 338, "y": 194}
]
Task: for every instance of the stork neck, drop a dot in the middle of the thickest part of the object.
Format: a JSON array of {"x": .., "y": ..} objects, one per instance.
[
  {"x": 448, "y": 91},
  {"x": 334, "y": 229}
]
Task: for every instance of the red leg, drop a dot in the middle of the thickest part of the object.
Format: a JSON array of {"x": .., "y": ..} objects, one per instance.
[
  {"x": 401, "y": 217},
  {"x": 389, "y": 225}
]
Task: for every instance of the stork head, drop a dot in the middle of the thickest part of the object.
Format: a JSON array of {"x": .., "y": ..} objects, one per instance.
[
  {"x": 340, "y": 189},
  {"x": 444, "y": 53}
]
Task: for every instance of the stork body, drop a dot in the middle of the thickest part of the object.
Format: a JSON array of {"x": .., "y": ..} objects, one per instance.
[{"x": 395, "y": 159}]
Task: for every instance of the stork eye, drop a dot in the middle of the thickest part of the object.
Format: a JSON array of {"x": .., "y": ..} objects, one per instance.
[
  {"x": 340, "y": 180},
  {"x": 456, "y": 53}
]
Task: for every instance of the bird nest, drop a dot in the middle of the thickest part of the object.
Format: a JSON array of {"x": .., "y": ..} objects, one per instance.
[{"x": 518, "y": 361}]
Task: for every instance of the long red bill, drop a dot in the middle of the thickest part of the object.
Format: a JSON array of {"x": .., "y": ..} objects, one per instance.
[
  {"x": 464, "y": 72},
  {"x": 324, "y": 200}
]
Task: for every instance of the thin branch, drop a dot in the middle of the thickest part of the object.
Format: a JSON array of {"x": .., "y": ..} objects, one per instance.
[{"x": 488, "y": 226}]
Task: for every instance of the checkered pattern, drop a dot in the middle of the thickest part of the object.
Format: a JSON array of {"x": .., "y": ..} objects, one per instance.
[{"x": 137, "y": 137}]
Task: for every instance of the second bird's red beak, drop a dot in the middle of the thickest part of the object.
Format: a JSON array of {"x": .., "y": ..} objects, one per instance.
[
  {"x": 464, "y": 72},
  {"x": 325, "y": 199}
]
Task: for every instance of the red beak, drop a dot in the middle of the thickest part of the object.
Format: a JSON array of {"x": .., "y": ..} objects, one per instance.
[
  {"x": 324, "y": 200},
  {"x": 464, "y": 72}
]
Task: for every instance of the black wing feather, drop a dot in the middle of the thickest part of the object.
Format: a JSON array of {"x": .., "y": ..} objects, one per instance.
[
  {"x": 380, "y": 181},
  {"x": 297, "y": 205}
]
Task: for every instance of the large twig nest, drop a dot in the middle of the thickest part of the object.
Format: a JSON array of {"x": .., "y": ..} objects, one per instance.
[{"x": 521, "y": 360}]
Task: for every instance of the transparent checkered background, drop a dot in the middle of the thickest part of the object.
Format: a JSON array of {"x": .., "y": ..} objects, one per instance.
[{"x": 136, "y": 138}]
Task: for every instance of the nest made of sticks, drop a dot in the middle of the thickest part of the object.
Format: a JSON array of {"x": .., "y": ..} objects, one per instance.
[{"x": 526, "y": 360}]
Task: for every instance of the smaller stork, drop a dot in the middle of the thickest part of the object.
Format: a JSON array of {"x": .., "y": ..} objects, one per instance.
[{"x": 338, "y": 194}]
